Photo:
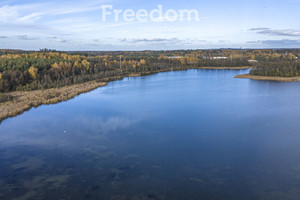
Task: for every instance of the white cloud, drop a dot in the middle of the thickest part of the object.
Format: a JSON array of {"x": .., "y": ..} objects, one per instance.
[
  {"x": 26, "y": 37},
  {"x": 29, "y": 13},
  {"x": 31, "y": 17},
  {"x": 8, "y": 13},
  {"x": 278, "y": 32}
]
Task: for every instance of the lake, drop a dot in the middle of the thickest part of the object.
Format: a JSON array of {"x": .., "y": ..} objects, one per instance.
[{"x": 196, "y": 134}]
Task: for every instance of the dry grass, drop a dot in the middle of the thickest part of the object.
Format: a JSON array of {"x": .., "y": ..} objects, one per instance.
[
  {"x": 134, "y": 75},
  {"x": 23, "y": 101},
  {"x": 269, "y": 78}
]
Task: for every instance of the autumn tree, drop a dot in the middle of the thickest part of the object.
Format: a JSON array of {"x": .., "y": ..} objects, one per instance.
[
  {"x": 55, "y": 65},
  {"x": 252, "y": 57},
  {"x": 142, "y": 61},
  {"x": 85, "y": 64},
  {"x": 33, "y": 71}
]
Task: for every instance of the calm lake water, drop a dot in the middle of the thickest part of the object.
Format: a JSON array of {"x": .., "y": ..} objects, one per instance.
[{"x": 197, "y": 134}]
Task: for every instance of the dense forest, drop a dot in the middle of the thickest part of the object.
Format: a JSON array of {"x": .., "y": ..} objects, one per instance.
[
  {"x": 279, "y": 68},
  {"x": 29, "y": 70},
  {"x": 282, "y": 63}
]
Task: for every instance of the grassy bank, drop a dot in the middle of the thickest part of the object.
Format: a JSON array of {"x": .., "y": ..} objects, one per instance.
[
  {"x": 20, "y": 101},
  {"x": 23, "y": 101},
  {"x": 269, "y": 78}
]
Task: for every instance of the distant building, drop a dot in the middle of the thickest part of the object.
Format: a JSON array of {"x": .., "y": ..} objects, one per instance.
[
  {"x": 175, "y": 57},
  {"x": 219, "y": 58},
  {"x": 252, "y": 61},
  {"x": 215, "y": 58}
]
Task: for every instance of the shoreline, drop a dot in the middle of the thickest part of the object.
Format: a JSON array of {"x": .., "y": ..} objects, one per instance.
[
  {"x": 269, "y": 78},
  {"x": 231, "y": 68},
  {"x": 25, "y": 100}
]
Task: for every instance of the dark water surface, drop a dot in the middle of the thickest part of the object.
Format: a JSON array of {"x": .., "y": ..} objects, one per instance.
[{"x": 197, "y": 134}]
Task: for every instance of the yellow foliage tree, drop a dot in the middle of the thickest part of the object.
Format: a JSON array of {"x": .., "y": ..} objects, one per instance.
[
  {"x": 85, "y": 64},
  {"x": 67, "y": 65},
  {"x": 142, "y": 62},
  {"x": 33, "y": 71},
  {"x": 55, "y": 65},
  {"x": 76, "y": 64},
  {"x": 183, "y": 61},
  {"x": 0, "y": 76},
  {"x": 252, "y": 57},
  {"x": 64, "y": 56},
  {"x": 291, "y": 56}
]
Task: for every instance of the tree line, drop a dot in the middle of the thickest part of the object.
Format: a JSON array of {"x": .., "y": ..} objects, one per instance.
[
  {"x": 30, "y": 70},
  {"x": 278, "y": 68}
]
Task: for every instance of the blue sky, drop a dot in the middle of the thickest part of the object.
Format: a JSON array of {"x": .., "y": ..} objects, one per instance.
[{"x": 78, "y": 25}]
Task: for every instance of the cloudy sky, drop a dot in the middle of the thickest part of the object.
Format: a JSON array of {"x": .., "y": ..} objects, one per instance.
[{"x": 78, "y": 25}]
